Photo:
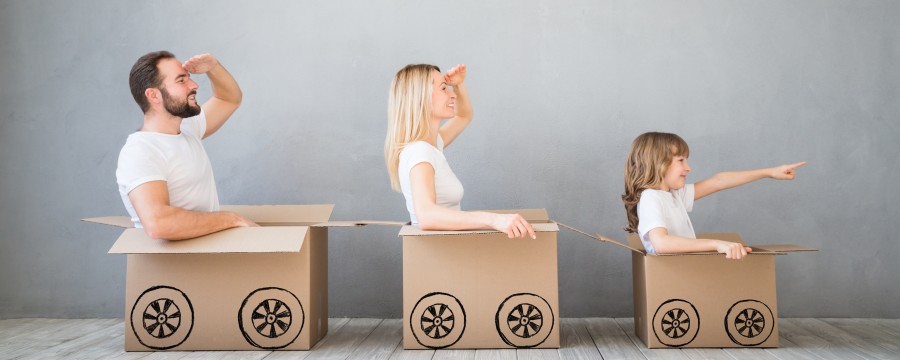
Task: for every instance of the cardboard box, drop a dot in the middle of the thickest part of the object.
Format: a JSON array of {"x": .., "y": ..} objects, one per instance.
[
  {"x": 480, "y": 289},
  {"x": 260, "y": 288},
  {"x": 697, "y": 300}
]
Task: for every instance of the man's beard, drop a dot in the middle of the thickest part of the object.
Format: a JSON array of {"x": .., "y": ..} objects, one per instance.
[{"x": 182, "y": 109}]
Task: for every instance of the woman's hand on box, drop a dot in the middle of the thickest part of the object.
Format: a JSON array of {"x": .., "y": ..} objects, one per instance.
[{"x": 514, "y": 225}]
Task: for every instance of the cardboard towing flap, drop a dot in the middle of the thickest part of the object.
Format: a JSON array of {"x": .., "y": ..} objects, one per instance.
[
  {"x": 702, "y": 299},
  {"x": 246, "y": 288}
]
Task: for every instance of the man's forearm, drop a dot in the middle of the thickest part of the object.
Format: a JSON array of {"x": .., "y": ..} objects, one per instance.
[
  {"x": 174, "y": 223},
  {"x": 224, "y": 87}
]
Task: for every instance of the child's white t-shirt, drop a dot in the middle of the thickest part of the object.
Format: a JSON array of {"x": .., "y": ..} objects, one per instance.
[
  {"x": 447, "y": 188},
  {"x": 665, "y": 209}
]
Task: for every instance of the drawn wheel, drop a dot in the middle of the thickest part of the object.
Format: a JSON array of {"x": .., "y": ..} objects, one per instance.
[
  {"x": 749, "y": 322},
  {"x": 524, "y": 320},
  {"x": 162, "y": 317},
  {"x": 438, "y": 320},
  {"x": 676, "y": 323},
  {"x": 271, "y": 318}
]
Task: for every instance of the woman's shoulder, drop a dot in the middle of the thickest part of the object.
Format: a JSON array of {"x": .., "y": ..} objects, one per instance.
[{"x": 418, "y": 147}]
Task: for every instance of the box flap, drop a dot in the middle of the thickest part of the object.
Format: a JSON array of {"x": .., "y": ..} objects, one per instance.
[
  {"x": 274, "y": 215},
  {"x": 354, "y": 223},
  {"x": 781, "y": 248},
  {"x": 412, "y": 230},
  {"x": 601, "y": 238},
  {"x": 234, "y": 240},
  {"x": 531, "y": 215},
  {"x": 117, "y": 221}
]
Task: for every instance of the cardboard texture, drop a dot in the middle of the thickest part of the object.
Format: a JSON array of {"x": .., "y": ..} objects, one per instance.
[
  {"x": 263, "y": 288},
  {"x": 480, "y": 289},
  {"x": 701, "y": 300}
]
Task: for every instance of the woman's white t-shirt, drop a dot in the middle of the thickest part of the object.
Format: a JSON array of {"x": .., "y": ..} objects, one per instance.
[
  {"x": 665, "y": 209},
  {"x": 447, "y": 188}
]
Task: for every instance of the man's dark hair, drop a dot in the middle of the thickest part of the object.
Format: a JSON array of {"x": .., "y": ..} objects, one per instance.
[{"x": 145, "y": 74}]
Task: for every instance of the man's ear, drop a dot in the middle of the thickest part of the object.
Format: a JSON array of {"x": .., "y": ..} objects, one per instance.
[{"x": 153, "y": 95}]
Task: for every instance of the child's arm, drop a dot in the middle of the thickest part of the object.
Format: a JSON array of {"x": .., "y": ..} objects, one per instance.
[
  {"x": 670, "y": 244},
  {"x": 728, "y": 180}
]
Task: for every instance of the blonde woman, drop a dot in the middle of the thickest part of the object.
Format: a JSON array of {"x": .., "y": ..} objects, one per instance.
[
  {"x": 657, "y": 198},
  {"x": 420, "y": 99}
]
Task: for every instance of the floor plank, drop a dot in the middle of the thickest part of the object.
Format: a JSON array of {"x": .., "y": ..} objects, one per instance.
[
  {"x": 401, "y": 354},
  {"x": 842, "y": 338},
  {"x": 462, "y": 354},
  {"x": 61, "y": 336},
  {"x": 813, "y": 343},
  {"x": 380, "y": 344},
  {"x": 345, "y": 340},
  {"x": 627, "y": 324},
  {"x": 790, "y": 351},
  {"x": 591, "y": 338},
  {"x": 870, "y": 331},
  {"x": 537, "y": 354},
  {"x": 495, "y": 354},
  {"x": 706, "y": 354},
  {"x": 575, "y": 341},
  {"x": 334, "y": 326},
  {"x": 612, "y": 342}
]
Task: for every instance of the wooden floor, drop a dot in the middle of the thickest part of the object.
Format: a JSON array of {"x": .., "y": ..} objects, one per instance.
[{"x": 380, "y": 339}]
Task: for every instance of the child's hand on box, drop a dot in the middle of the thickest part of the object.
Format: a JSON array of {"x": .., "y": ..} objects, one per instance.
[{"x": 732, "y": 250}]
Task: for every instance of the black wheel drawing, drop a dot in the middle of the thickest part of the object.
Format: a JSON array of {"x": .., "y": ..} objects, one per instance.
[
  {"x": 162, "y": 317},
  {"x": 438, "y": 320},
  {"x": 749, "y": 322},
  {"x": 676, "y": 323},
  {"x": 524, "y": 320},
  {"x": 271, "y": 318}
]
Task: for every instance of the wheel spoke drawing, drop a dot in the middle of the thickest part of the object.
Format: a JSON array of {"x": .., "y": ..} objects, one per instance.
[
  {"x": 524, "y": 320},
  {"x": 271, "y": 318},
  {"x": 746, "y": 321},
  {"x": 676, "y": 323},
  {"x": 162, "y": 317},
  {"x": 268, "y": 321},
  {"x": 437, "y": 321}
]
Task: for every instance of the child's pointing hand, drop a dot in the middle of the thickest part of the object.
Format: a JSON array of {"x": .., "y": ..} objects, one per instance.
[{"x": 786, "y": 172}]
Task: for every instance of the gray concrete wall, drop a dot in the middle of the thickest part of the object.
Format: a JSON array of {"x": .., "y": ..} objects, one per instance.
[{"x": 560, "y": 88}]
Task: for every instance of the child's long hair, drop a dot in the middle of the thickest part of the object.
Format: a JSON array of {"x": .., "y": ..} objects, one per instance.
[
  {"x": 646, "y": 165},
  {"x": 409, "y": 114}
]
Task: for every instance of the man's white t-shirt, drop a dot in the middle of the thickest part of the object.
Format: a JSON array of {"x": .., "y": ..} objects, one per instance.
[
  {"x": 179, "y": 160},
  {"x": 665, "y": 209},
  {"x": 447, "y": 188}
]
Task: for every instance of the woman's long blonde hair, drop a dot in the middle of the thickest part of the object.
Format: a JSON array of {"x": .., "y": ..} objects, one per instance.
[
  {"x": 646, "y": 165},
  {"x": 409, "y": 114}
]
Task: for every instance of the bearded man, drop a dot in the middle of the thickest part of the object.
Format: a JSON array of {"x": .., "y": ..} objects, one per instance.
[{"x": 164, "y": 175}]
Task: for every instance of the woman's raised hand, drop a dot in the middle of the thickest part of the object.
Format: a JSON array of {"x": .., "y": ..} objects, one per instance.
[
  {"x": 456, "y": 75},
  {"x": 786, "y": 172},
  {"x": 514, "y": 225}
]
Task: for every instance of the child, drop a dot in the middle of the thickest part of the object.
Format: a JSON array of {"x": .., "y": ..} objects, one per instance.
[{"x": 657, "y": 200}]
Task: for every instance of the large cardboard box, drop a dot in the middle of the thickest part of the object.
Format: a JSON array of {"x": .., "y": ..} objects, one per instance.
[
  {"x": 706, "y": 300},
  {"x": 697, "y": 300},
  {"x": 261, "y": 288},
  {"x": 480, "y": 289}
]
